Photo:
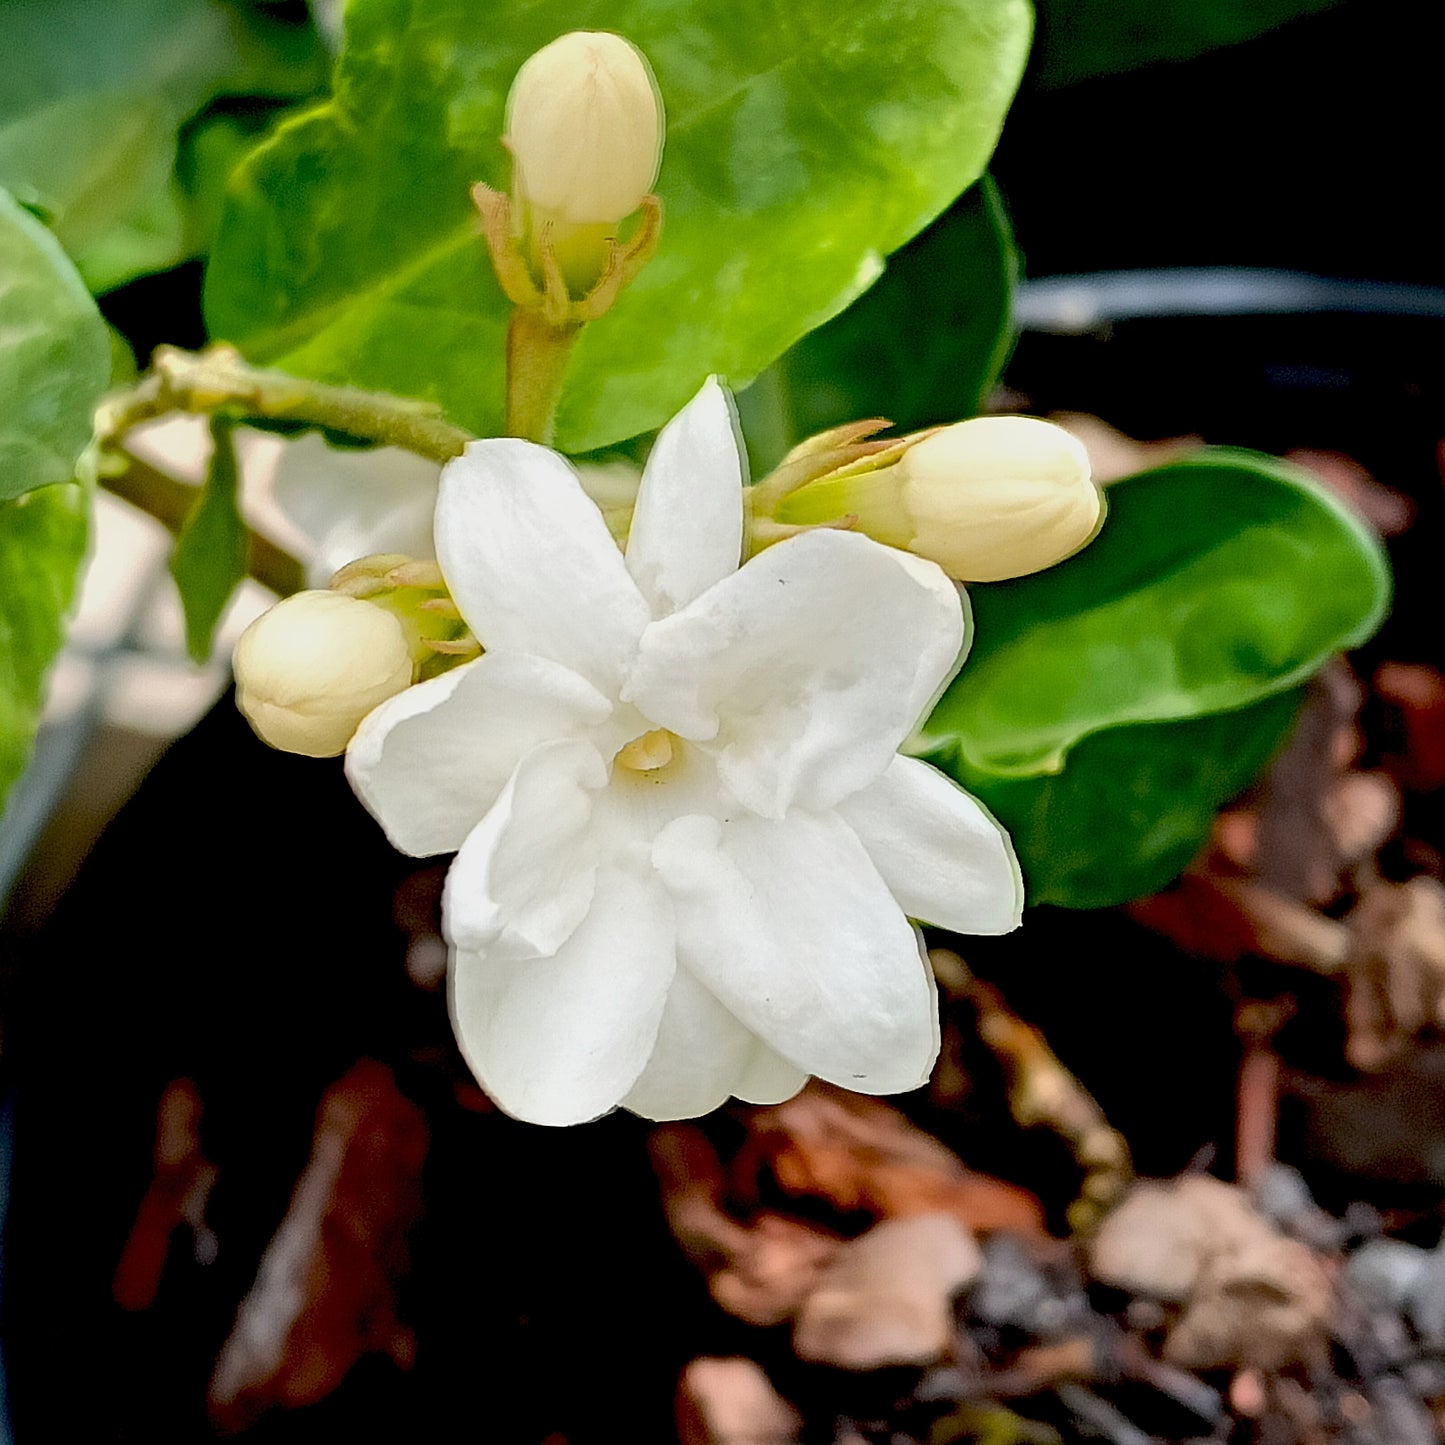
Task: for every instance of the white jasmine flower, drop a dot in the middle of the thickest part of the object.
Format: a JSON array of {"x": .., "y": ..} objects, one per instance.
[{"x": 687, "y": 849}]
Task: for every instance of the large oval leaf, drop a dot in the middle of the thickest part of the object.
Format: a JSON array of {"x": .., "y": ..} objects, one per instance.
[
  {"x": 1216, "y": 581},
  {"x": 804, "y": 142},
  {"x": 1132, "y": 805},
  {"x": 925, "y": 345},
  {"x": 54, "y": 357}
]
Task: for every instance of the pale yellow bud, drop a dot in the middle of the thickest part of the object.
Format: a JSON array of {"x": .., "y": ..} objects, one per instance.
[
  {"x": 584, "y": 123},
  {"x": 998, "y": 496},
  {"x": 312, "y": 667}
]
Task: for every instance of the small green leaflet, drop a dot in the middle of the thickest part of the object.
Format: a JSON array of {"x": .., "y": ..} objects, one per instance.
[{"x": 210, "y": 556}]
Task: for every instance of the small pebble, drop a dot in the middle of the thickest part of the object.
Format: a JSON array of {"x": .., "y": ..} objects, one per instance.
[
  {"x": 1425, "y": 1302},
  {"x": 1014, "y": 1291},
  {"x": 1386, "y": 1272},
  {"x": 1401, "y": 1418},
  {"x": 1284, "y": 1198},
  {"x": 1426, "y": 1378}
]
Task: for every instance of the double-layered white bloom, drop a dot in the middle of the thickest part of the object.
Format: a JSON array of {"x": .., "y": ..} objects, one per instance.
[{"x": 687, "y": 849}]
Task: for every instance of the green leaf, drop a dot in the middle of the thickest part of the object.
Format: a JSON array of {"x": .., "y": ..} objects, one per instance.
[
  {"x": 54, "y": 357},
  {"x": 42, "y": 543},
  {"x": 99, "y": 167},
  {"x": 804, "y": 142},
  {"x": 211, "y": 149},
  {"x": 184, "y": 51},
  {"x": 1132, "y": 805},
  {"x": 91, "y": 100},
  {"x": 1079, "y": 39},
  {"x": 1216, "y": 581},
  {"x": 210, "y": 557},
  {"x": 926, "y": 344}
]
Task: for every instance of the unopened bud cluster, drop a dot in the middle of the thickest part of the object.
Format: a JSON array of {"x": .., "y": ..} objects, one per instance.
[
  {"x": 987, "y": 499},
  {"x": 584, "y": 125},
  {"x": 312, "y": 667},
  {"x": 585, "y": 131}
]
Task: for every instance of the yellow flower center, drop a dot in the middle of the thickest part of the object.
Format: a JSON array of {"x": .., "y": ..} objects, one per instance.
[{"x": 647, "y": 753}]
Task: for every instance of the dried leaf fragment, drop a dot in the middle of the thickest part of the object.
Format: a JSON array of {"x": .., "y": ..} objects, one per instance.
[
  {"x": 730, "y": 1401},
  {"x": 886, "y": 1298},
  {"x": 860, "y": 1155},
  {"x": 325, "y": 1289}
]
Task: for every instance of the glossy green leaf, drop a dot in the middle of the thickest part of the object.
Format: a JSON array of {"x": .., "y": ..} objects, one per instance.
[
  {"x": 925, "y": 344},
  {"x": 1079, "y": 39},
  {"x": 210, "y": 556},
  {"x": 804, "y": 143},
  {"x": 54, "y": 357},
  {"x": 1215, "y": 582},
  {"x": 92, "y": 97},
  {"x": 1132, "y": 805},
  {"x": 42, "y": 542}
]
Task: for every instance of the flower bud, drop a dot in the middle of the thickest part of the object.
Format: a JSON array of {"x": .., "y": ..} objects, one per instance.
[
  {"x": 312, "y": 667},
  {"x": 584, "y": 124},
  {"x": 998, "y": 496},
  {"x": 995, "y": 497}
]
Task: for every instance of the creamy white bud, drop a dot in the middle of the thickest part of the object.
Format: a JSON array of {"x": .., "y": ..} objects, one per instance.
[
  {"x": 998, "y": 496},
  {"x": 312, "y": 667},
  {"x": 584, "y": 123}
]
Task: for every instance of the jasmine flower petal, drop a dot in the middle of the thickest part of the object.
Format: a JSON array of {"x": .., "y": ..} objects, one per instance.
[
  {"x": 687, "y": 527},
  {"x": 530, "y": 561},
  {"x": 791, "y": 927},
  {"x": 941, "y": 853},
  {"x": 562, "y": 1040},
  {"x": 804, "y": 670},
  {"x": 429, "y": 763}
]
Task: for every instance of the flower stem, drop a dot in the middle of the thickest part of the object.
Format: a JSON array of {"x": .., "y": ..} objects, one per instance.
[
  {"x": 537, "y": 352},
  {"x": 217, "y": 379}
]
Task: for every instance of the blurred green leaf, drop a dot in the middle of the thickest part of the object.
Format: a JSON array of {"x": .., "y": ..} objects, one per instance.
[
  {"x": 210, "y": 556},
  {"x": 92, "y": 97},
  {"x": 804, "y": 143},
  {"x": 211, "y": 149},
  {"x": 927, "y": 342},
  {"x": 184, "y": 52},
  {"x": 42, "y": 542},
  {"x": 1216, "y": 581},
  {"x": 1079, "y": 39},
  {"x": 1132, "y": 805},
  {"x": 99, "y": 167},
  {"x": 54, "y": 357}
]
